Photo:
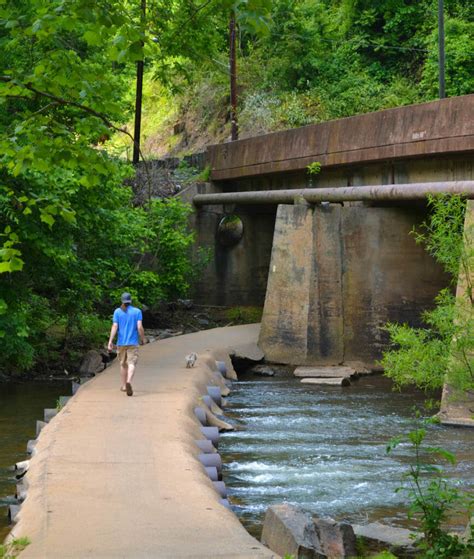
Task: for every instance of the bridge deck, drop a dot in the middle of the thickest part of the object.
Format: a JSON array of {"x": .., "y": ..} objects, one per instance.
[{"x": 118, "y": 477}]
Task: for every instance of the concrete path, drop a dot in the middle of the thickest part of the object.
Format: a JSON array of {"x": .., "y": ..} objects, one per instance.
[{"x": 118, "y": 477}]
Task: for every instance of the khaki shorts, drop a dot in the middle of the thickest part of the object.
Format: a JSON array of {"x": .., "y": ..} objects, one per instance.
[{"x": 128, "y": 354}]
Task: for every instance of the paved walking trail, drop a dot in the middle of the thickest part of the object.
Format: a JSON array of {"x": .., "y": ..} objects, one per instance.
[{"x": 118, "y": 477}]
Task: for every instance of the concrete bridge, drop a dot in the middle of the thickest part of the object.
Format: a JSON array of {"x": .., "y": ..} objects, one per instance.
[{"x": 331, "y": 275}]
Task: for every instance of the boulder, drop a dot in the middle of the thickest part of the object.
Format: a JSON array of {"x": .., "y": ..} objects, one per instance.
[
  {"x": 92, "y": 363},
  {"x": 379, "y": 537},
  {"x": 262, "y": 371},
  {"x": 359, "y": 367},
  {"x": 164, "y": 334},
  {"x": 186, "y": 303},
  {"x": 337, "y": 539},
  {"x": 343, "y": 381},
  {"x": 108, "y": 356},
  {"x": 246, "y": 356},
  {"x": 324, "y": 372},
  {"x": 289, "y": 530}
]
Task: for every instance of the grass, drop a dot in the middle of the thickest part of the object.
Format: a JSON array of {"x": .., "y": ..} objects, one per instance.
[
  {"x": 11, "y": 550},
  {"x": 245, "y": 315}
]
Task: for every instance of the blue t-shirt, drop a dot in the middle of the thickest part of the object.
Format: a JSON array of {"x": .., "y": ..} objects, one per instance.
[{"x": 127, "y": 325}]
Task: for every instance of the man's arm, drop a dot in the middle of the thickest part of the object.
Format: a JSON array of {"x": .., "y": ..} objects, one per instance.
[
  {"x": 113, "y": 332},
  {"x": 141, "y": 331}
]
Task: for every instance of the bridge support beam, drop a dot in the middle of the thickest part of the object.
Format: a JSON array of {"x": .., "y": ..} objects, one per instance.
[{"x": 337, "y": 275}]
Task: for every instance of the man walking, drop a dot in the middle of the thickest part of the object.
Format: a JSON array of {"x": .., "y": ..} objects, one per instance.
[{"x": 128, "y": 322}]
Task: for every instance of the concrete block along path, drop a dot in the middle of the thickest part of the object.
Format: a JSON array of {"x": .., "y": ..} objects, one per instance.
[{"x": 118, "y": 477}]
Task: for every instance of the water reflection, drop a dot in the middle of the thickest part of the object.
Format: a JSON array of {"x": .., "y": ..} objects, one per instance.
[{"x": 20, "y": 406}]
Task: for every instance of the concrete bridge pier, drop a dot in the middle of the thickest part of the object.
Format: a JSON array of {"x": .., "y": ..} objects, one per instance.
[{"x": 337, "y": 275}]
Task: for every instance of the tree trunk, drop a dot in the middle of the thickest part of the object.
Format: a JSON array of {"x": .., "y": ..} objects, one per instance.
[{"x": 138, "y": 97}]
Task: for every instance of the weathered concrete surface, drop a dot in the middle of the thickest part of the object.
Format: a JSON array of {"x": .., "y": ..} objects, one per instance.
[
  {"x": 118, "y": 477},
  {"x": 458, "y": 408},
  {"x": 387, "y": 277},
  {"x": 325, "y": 333},
  {"x": 337, "y": 276},
  {"x": 439, "y": 127},
  {"x": 235, "y": 275},
  {"x": 343, "y": 381},
  {"x": 289, "y": 285},
  {"x": 324, "y": 372}
]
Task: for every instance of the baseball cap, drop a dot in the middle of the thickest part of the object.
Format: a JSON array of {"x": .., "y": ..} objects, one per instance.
[{"x": 126, "y": 298}]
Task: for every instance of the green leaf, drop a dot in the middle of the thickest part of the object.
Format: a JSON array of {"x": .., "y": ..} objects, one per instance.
[
  {"x": 47, "y": 218},
  {"x": 39, "y": 70},
  {"x": 92, "y": 38},
  {"x": 68, "y": 216},
  {"x": 16, "y": 264}
]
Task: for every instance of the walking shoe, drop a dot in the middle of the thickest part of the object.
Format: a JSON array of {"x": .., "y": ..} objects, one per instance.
[
  {"x": 128, "y": 389},
  {"x": 123, "y": 389}
]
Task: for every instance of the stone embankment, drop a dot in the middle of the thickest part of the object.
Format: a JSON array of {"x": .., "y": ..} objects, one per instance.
[{"x": 113, "y": 476}]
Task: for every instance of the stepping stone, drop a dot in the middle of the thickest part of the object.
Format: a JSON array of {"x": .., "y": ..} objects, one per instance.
[
  {"x": 324, "y": 372},
  {"x": 378, "y": 537},
  {"x": 342, "y": 381}
]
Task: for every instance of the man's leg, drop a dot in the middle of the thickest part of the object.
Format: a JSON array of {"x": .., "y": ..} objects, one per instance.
[
  {"x": 124, "y": 374},
  {"x": 122, "y": 353},
  {"x": 132, "y": 358},
  {"x": 131, "y": 372}
]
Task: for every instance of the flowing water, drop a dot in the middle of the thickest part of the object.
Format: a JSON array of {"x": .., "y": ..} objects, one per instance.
[
  {"x": 324, "y": 448},
  {"x": 20, "y": 406}
]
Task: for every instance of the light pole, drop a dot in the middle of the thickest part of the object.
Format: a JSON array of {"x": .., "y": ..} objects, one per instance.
[{"x": 442, "y": 88}]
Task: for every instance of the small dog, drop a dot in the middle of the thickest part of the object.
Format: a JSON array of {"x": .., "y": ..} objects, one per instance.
[{"x": 190, "y": 360}]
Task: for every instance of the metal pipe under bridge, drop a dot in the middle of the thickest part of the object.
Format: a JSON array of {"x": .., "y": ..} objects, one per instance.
[{"x": 381, "y": 192}]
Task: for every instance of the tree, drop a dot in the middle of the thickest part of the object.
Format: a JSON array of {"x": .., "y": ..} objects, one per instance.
[
  {"x": 70, "y": 237},
  {"x": 424, "y": 356}
]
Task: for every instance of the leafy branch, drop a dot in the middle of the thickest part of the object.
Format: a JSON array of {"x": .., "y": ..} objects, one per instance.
[{"x": 66, "y": 102}]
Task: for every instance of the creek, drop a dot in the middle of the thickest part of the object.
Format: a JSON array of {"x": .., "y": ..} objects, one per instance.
[
  {"x": 21, "y": 404},
  {"x": 320, "y": 447},
  {"x": 324, "y": 448}
]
